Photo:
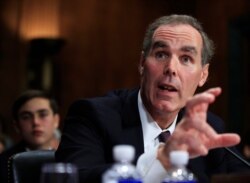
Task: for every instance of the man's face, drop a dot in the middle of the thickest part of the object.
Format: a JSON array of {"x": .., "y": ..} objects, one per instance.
[
  {"x": 37, "y": 123},
  {"x": 172, "y": 70}
]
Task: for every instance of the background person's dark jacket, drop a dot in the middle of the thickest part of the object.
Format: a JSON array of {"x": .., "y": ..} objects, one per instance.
[{"x": 4, "y": 160}]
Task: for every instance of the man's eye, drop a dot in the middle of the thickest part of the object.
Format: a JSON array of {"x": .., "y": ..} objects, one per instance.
[
  {"x": 161, "y": 55},
  {"x": 25, "y": 117},
  {"x": 43, "y": 114},
  {"x": 186, "y": 59}
]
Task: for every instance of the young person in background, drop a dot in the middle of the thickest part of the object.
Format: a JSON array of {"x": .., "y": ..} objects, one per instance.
[{"x": 36, "y": 118}]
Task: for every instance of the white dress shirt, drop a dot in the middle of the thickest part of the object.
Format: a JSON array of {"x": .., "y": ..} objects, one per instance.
[{"x": 148, "y": 165}]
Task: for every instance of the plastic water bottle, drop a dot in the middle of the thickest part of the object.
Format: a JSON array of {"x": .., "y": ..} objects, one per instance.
[
  {"x": 179, "y": 173},
  {"x": 123, "y": 171}
]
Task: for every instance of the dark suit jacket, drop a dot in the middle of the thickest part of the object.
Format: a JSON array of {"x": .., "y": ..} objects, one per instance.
[
  {"x": 93, "y": 126},
  {"x": 4, "y": 160}
]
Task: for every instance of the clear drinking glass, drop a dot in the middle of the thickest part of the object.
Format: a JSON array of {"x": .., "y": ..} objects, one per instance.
[{"x": 59, "y": 173}]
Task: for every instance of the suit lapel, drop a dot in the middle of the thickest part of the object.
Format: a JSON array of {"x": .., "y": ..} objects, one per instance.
[
  {"x": 180, "y": 115},
  {"x": 132, "y": 128}
]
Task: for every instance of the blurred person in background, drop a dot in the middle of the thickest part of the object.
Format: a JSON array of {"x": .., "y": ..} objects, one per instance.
[
  {"x": 2, "y": 143},
  {"x": 5, "y": 140},
  {"x": 36, "y": 119}
]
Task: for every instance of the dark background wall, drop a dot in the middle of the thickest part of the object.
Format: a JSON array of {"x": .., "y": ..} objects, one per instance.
[{"x": 102, "y": 48}]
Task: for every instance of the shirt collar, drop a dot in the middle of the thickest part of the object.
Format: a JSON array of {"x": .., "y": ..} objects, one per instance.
[{"x": 150, "y": 128}]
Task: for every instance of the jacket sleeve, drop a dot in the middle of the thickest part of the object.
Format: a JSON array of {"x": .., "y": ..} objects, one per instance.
[{"x": 82, "y": 143}]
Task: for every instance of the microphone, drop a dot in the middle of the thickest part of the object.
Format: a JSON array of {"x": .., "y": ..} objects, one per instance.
[{"x": 237, "y": 156}]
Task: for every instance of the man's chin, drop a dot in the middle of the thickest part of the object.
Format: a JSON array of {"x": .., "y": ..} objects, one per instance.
[
  {"x": 38, "y": 143},
  {"x": 167, "y": 107}
]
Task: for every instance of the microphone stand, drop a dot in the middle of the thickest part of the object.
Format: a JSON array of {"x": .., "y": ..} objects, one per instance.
[{"x": 238, "y": 157}]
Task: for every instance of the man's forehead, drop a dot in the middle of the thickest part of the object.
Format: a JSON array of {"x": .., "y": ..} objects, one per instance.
[
  {"x": 36, "y": 104},
  {"x": 180, "y": 32},
  {"x": 39, "y": 110}
]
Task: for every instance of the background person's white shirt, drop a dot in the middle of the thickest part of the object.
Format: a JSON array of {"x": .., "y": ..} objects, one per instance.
[{"x": 148, "y": 165}]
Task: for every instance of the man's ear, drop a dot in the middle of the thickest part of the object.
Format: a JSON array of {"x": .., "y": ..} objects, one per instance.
[
  {"x": 141, "y": 64},
  {"x": 204, "y": 75},
  {"x": 56, "y": 120}
]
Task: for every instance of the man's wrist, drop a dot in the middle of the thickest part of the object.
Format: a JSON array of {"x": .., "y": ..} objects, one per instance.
[{"x": 163, "y": 157}]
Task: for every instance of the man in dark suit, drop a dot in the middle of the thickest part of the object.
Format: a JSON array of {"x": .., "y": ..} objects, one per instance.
[
  {"x": 174, "y": 62},
  {"x": 36, "y": 118}
]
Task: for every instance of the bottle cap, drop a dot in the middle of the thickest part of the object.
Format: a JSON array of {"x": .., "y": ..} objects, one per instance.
[
  {"x": 178, "y": 158},
  {"x": 123, "y": 152}
]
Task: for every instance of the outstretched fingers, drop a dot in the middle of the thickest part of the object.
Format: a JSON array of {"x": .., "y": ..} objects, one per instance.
[
  {"x": 196, "y": 110},
  {"x": 224, "y": 140},
  {"x": 201, "y": 101}
]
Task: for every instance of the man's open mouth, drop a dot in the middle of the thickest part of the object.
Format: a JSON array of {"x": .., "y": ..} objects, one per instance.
[{"x": 168, "y": 88}]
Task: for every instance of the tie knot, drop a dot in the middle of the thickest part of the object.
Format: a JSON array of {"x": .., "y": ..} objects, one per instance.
[{"x": 163, "y": 137}]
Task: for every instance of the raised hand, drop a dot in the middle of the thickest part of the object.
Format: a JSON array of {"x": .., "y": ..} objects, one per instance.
[{"x": 193, "y": 133}]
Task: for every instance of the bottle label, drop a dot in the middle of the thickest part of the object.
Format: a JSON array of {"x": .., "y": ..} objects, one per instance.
[
  {"x": 129, "y": 181},
  {"x": 180, "y": 181}
]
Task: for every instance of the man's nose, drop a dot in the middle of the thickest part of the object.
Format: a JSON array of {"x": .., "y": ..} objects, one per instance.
[
  {"x": 36, "y": 120},
  {"x": 171, "y": 66}
]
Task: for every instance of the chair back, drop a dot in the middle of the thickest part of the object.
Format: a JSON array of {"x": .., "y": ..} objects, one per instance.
[{"x": 26, "y": 166}]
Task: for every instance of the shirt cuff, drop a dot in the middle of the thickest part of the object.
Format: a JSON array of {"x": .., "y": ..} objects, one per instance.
[{"x": 150, "y": 168}]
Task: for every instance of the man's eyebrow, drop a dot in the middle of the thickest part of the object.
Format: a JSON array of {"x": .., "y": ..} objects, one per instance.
[
  {"x": 190, "y": 49},
  {"x": 159, "y": 44},
  {"x": 42, "y": 110},
  {"x": 25, "y": 112},
  {"x": 30, "y": 112}
]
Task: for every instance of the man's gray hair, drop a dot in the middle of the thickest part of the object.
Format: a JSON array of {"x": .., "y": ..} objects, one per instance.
[{"x": 207, "y": 45}]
